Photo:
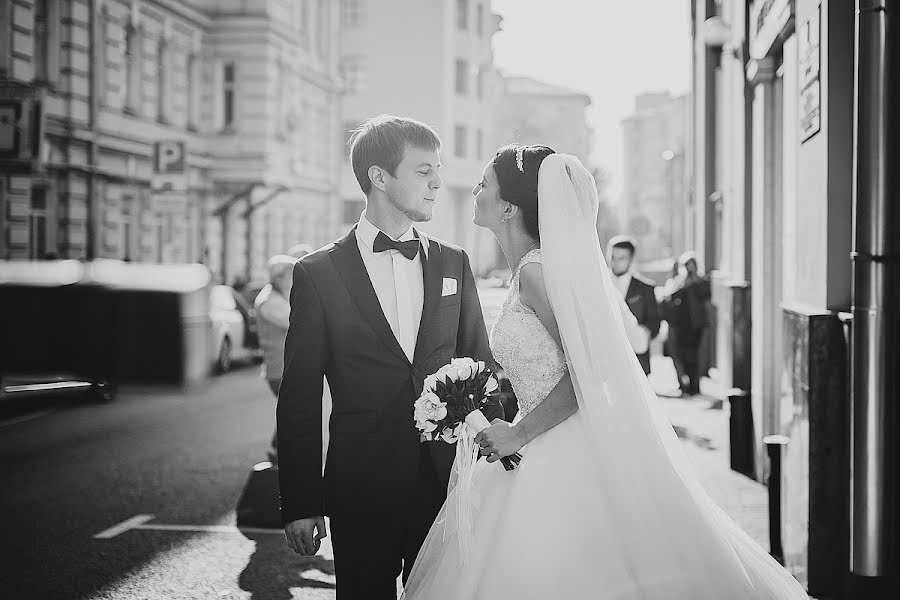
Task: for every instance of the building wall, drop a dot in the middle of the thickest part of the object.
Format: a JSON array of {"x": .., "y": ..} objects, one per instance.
[
  {"x": 654, "y": 183},
  {"x": 785, "y": 228},
  {"x": 135, "y": 73},
  {"x": 388, "y": 73},
  {"x": 44, "y": 204}
]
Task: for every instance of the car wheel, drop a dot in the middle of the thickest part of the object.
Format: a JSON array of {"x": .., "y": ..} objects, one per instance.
[
  {"x": 223, "y": 362},
  {"x": 103, "y": 390}
]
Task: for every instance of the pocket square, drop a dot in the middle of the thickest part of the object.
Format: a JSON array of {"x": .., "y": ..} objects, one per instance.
[{"x": 448, "y": 288}]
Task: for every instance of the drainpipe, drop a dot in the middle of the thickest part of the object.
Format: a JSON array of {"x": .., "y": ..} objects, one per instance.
[{"x": 874, "y": 259}]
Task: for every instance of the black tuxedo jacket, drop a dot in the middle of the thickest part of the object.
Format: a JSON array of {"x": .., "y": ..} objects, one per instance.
[
  {"x": 339, "y": 330},
  {"x": 642, "y": 301}
]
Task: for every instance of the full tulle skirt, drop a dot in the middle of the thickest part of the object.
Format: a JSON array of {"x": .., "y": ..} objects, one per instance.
[{"x": 555, "y": 528}]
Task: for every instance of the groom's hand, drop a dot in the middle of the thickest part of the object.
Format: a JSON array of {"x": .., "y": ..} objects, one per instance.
[{"x": 301, "y": 537}]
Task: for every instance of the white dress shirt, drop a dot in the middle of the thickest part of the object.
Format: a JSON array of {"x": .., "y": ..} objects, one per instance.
[
  {"x": 397, "y": 281},
  {"x": 638, "y": 335},
  {"x": 623, "y": 282}
]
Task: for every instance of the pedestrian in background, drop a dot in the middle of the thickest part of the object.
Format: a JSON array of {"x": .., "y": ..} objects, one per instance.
[
  {"x": 637, "y": 292},
  {"x": 273, "y": 316},
  {"x": 299, "y": 250},
  {"x": 685, "y": 308}
]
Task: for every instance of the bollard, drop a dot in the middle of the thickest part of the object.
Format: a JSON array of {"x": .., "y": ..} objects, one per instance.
[
  {"x": 774, "y": 445},
  {"x": 740, "y": 426}
]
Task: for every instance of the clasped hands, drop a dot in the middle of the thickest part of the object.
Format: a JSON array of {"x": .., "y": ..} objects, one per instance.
[{"x": 499, "y": 440}]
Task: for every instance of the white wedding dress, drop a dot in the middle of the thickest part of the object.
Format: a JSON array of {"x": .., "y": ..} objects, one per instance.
[{"x": 602, "y": 506}]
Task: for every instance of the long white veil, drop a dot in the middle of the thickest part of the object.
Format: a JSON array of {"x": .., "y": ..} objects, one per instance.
[{"x": 684, "y": 542}]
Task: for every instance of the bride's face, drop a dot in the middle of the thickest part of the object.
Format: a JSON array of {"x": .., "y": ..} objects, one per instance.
[{"x": 488, "y": 210}]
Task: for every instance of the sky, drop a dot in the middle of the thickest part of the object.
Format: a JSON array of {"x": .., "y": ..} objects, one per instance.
[{"x": 611, "y": 50}]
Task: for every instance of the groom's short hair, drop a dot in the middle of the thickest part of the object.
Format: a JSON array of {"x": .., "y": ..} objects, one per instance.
[{"x": 382, "y": 141}]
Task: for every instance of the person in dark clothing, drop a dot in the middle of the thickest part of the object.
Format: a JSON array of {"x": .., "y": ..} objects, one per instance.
[
  {"x": 685, "y": 310},
  {"x": 637, "y": 292}
]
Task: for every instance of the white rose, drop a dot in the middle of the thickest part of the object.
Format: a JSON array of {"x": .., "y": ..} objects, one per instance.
[
  {"x": 430, "y": 408},
  {"x": 443, "y": 373},
  {"x": 491, "y": 385},
  {"x": 430, "y": 383},
  {"x": 480, "y": 366}
]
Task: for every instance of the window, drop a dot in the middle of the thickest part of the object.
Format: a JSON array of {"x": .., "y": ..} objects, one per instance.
[
  {"x": 41, "y": 40},
  {"x": 479, "y": 84},
  {"x": 462, "y": 14},
  {"x": 353, "y": 73},
  {"x": 304, "y": 15},
  {"x": 352, "y": 210},
  {"x": 462, "y": 77},
  {"x": 479, "y": 20},
  {"x": 459, "y": 141},
  {"x": 228, "y": 96},
  {"x": 5, "y": 38},
  {"x": 351, "y": 13},
  {"x": 132, "y": 67},
  {"x": 191, "y": 92},
  {"x": 323, "y": 37},
  {"x": 479, "y": 144},
  {"x": 38, "y": 225},
  {"x": 162, "y": 76}
]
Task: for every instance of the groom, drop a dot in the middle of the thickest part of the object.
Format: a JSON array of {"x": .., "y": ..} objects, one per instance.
[{"x": 375, "y": 312}]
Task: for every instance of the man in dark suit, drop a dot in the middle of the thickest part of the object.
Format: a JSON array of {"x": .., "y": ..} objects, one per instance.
[
  {"x": 638, "y": 293},
  {"x": 375, "y": 312}
]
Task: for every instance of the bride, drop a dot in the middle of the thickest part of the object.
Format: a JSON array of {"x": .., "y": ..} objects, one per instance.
[{"x": 603, "y": 504}]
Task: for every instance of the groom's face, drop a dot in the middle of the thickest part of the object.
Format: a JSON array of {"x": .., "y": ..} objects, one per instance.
[{"x": 413, "y": 188}]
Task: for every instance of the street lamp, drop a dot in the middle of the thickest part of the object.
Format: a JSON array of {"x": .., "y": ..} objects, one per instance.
[{"x": 668, "y": 155}]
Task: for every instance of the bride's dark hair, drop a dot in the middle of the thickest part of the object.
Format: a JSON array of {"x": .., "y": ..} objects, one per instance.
[{"x": 517, "y": 175}]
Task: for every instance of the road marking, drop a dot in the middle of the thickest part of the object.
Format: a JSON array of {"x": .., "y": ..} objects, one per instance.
[
  {"x": 141, "y": 522},
  {"x": 124, "y": 526},
  {"x": 25, "y": 418}
]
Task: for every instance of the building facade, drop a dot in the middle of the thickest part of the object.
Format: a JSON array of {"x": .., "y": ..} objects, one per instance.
[
  {"x": 654, "y": 185},
  {"x": 171, "y": 131},
  {"x": 772, "y": 214},
  {"x": 535, "y": 112},
  {"x": 46, "y": 117},
  {"x": 440, "y": 72}
]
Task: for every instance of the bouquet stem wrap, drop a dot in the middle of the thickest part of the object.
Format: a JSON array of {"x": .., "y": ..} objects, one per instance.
[{"x": 466, "y": 495}]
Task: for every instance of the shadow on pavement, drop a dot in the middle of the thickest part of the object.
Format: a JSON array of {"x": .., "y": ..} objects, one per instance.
[{"x": 272, "y": 572}]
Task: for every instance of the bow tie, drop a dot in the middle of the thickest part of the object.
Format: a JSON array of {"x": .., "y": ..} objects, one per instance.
[{"x": 409, "y": 249}]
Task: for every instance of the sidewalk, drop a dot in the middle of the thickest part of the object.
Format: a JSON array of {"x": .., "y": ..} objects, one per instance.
[{"x": 704, "y": 432}]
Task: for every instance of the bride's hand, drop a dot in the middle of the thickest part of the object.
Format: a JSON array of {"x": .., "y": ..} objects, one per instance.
[{"x": 499, "y": 440}]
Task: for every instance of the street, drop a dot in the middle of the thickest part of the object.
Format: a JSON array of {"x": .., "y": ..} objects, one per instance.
[
  {"x": 182, "y": 456},
  {"x": 136, "y": 498}
]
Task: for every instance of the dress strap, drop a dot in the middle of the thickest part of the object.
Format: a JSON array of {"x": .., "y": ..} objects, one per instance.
[{"x": 533, "y": 255}]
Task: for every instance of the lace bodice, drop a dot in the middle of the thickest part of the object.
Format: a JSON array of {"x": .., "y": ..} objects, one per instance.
[{"x": 530, "y": 358}]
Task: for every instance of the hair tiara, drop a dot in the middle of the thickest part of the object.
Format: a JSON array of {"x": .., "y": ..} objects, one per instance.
[{"x": 520, "y": 159}]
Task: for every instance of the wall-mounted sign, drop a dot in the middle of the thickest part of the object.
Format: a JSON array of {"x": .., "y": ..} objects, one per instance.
[
  {"x": 810, "y": 117},
  {"x": 169, "y": 166},
  {"x": 808, "y": 77},
  {"x": 809, "y": 35},
  {"x": 769, "y": 19}
]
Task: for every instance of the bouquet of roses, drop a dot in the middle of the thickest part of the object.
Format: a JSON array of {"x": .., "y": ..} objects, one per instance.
[{"x": 453, "y": 398}]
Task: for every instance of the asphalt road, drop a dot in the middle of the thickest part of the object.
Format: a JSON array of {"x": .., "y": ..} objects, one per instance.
[{"x": 71, "y": 470}]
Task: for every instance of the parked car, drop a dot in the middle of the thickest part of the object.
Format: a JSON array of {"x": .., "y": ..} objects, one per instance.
[{"x": 234, "y": 330}]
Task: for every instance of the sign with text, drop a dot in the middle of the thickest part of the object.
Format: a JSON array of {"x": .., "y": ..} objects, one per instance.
[
  {"x": 768, "y": 21},
  {"x": 170, "y": 166},
  {"x": 810, "y": 116},
  {"x": 809, "y": 36}
]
